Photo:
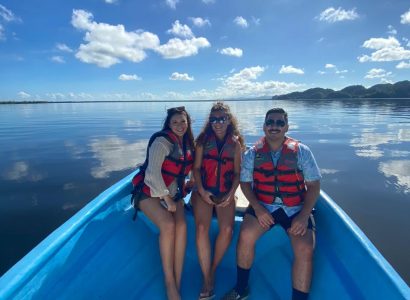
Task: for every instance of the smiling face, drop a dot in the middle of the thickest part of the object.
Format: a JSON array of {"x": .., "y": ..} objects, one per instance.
[
  {"x": 179, "y": 124},
  {"x": 219, "y": 123},
  {"x": 275, "y": 127}
]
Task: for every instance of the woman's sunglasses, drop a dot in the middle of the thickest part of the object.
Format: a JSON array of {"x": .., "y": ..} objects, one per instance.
[
  {"x": 279, "y": 123},
  {"x": 216, "y": 120}
]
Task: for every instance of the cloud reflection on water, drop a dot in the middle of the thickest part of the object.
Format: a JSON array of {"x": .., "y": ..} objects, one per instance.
[
  {"x": 115, "y": 154},
  {"x": 21, "y": 170},
  {"x": 398, "y": 169}
]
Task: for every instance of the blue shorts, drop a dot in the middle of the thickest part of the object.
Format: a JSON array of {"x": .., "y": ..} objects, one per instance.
[{"x": 282, "y": 218}]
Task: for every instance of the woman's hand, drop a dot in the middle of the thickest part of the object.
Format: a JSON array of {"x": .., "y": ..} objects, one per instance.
[
  {"x": 206, "y": 196},
  {"x": 171, "y": 205},
  {"x": 226, "y": 200}
]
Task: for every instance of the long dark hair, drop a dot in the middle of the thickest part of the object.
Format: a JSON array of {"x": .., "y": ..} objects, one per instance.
[
  {"x": 232, "y": 127},
  {"x": 188, "y": 136}
]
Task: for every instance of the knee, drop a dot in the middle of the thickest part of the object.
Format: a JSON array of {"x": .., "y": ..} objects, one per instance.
[
  {"x": 226, "y": 231},
  {"x": 304, "y": 251},
  {"x": 202, "y": 229},
  {"x": 246, "y": 237}
]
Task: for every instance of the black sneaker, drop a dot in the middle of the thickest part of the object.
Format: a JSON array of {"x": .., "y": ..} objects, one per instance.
[{"x": 234, "y": 295}]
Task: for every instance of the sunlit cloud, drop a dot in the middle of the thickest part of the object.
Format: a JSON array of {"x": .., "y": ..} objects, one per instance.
[
  {"x": 403, "y": 65},
  {"x": 110, "y": 1},
  {"x": 398, "y": 169},
  {"x": 328, "y": 171},
  {"x": 107, "y": 45},
  {"x": 332, "y": 15},
  {"x": 23, "y": 95},
  {"x": 58, "y": 59},
  {"x": 290, "y": 70},
  {"x": 64, "y": 48},
  {"x": 115, "y": 154},
  {"x": 6, "y": 15},
  {"x": 377, "y": 73},
  {"x": 181, "y": 76},
  {"x": 241, "y": 22},
  {"x": 172, "y": 3},
  {"x": 391, "y": 30},
  {"x": 200, "y": 22},
  {"x": 388, "y": 49},
  {"x": 405, "y": 18},
  {"x": 180, "y": 30},
  {"x": 177, "y": 48},
  {"x": 125, "y": 77},
  {"x": 231, "y": 52}
]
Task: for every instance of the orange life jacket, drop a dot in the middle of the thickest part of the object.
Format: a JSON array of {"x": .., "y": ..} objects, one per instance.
[
  {"x": 217, "y": 168},
  {"x": 285, "y": 180},
  {"x": 176, "y": 165}
]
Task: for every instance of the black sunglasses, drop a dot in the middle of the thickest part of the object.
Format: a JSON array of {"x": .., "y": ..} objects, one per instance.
[
  {"x": 220, "y": 120},
  {"x": 279, "y": 123},
  {"x": 176, "y": 109}
]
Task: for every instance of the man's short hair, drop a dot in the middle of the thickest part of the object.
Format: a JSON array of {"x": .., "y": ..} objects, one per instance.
[{"x": 277, "y": 110}]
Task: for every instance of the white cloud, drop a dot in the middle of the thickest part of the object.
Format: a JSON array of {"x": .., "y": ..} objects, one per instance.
[
  {"x": 176, "y": 48},
  {"x": 107, "y": 45},
  {"x": 332, "y": 15},
  {"x": 403, "y": 65},
  {"x": 208, "y": 1},
  {"x": 381, "y": 43},
  {"x": 172, "y": 3},
  {"x": 181, "y": 76},
  {"x": 111, "y": 1},
  {"x": 386, "y": 50},
  {"x": 405, "y": 18},
  {"x": 256, "y": 21},
  {"x": 7, "y": 15},
  {"x": 180, "y": 30},
  {"x": 290, "y": 70},
  {"x": 58, "y": 59},
  {"x": 2, "y": 34},
  {"x": 240, "y": 21},
  {"x": 64, "y": 48},
  {"x": 377, "y": 73},
  {"x": 391, "y": 30},
  {"x": 199, "y": 22},
  {"x": 231, "y": 51},
  {"x": 330, "y": 66},
  {"x": 126, "y": 77},
  {"x": 23, "y": 95}
]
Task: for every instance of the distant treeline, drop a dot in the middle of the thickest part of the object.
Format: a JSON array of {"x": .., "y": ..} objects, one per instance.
[{"x": 399, "y": 89}]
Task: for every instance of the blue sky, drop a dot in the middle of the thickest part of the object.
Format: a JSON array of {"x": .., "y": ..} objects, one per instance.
[{"x": 197, "y": 49}]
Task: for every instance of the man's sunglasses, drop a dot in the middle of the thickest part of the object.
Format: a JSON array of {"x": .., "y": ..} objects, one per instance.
[
  {"x": 176, "y": 109},
  {"x": 220, "y": 120},
  {"x": 279, "y": 123}
]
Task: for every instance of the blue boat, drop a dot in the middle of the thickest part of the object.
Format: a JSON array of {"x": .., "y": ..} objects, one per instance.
[{"x": 101, "y": 253}]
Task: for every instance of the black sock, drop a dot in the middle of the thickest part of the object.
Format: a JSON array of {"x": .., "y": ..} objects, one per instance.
[
  {"x": 242, "y": 277},
  {"x": 298, "y": 295}
]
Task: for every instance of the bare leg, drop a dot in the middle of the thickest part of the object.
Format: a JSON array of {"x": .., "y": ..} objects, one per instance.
[
  {"x": 250, "y": 232},
  {"x": 303, "y": 247},
  {"x": 203, "y": 216},
  {"x": 226, "y": 216},
  {"x": 180, "y": 242},
  {"x": 166, "y": 224}
]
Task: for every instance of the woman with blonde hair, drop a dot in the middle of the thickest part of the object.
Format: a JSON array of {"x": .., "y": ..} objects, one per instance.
[{"x": 216, "y": 172}]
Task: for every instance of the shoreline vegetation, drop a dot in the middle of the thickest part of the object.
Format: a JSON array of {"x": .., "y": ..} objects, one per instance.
[{"x": 399, "y": 90}]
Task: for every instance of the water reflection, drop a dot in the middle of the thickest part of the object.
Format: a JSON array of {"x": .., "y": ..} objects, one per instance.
[
  {"x": 115, "y": 154},
  {"x": 398, "y": 169},
  {"x": 21, "y": 171}
]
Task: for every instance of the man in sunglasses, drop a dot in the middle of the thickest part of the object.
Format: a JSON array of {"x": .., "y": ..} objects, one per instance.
[{"x": 281, "y": 180}]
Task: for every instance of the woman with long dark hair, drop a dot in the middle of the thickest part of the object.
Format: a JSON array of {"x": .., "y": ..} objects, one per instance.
[
  {"x": 160, "y": 188},
  {"x": 216, "y": 171}
]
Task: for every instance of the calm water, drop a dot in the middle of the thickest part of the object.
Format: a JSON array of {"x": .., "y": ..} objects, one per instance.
[{"x": 56, "y": 157}]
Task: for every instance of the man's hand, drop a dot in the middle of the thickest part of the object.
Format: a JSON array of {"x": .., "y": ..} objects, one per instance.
[
  {"x": 171, "y": 205},
  {"x": 265, "y": 219},
  {"x": 299, "y": 225}
]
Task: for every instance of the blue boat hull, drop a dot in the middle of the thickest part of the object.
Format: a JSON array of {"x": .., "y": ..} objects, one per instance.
[{"x": 100, "y": 253}]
